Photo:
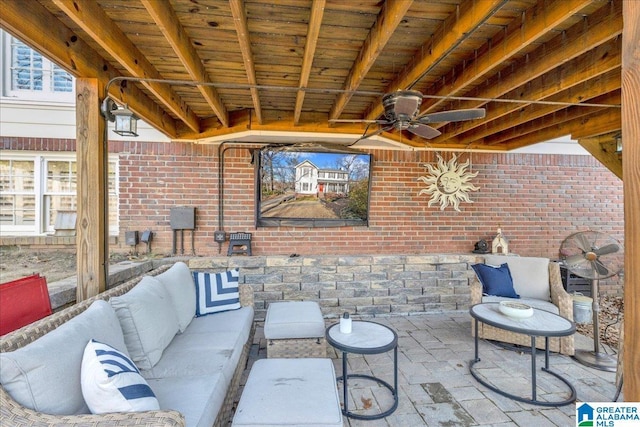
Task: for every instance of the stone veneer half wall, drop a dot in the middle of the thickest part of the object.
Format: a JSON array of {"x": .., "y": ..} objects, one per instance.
[{"x": 363, "y": 285}]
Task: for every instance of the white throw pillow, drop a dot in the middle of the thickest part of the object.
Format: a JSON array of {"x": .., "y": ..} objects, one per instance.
[
  {"x": 148, "y": 321},
  {"x": 45, "y": 374},
  {"x": 179, "y": 284},
  {"x": 216, "y": 292},
  {"x": 112, "y": 383}
]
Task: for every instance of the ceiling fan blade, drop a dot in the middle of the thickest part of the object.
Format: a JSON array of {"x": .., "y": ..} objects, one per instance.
[
  {"x": 453, "y": 115},
  {"x": 607, "y": 249},
  {"x": 423, "y": 130}
]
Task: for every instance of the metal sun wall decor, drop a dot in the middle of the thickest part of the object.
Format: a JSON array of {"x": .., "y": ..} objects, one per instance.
[{"x": 448, "y": 183}]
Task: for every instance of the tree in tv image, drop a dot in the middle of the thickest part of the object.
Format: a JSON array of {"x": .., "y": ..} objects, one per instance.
[{"x": 314, "y": 185}]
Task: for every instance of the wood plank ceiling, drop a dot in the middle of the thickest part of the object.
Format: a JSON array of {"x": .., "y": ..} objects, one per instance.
[{"x": 542, "y": 69}]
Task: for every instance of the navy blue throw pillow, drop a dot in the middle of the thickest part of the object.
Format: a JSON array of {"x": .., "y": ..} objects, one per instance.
[{"x": 495, "y": 281}]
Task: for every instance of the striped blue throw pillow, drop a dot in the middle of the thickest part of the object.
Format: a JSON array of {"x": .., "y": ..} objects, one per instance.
[
  {"x": 112, "y": 383},
  {"x": 216, "y": 292}
]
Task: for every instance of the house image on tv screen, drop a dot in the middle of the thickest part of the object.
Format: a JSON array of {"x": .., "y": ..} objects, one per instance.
[{"x": 312, "y": 180}]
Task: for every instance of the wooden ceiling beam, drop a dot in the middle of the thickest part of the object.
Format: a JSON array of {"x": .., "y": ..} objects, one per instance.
[
  {"x": 386, "y": 23},
  {"x": 590, "y": 65},
  {"x": 548, "y": 120},
  {"x": 242, "y": 29},
  {"x": 553, "y": 129},
  {"x": 585, "y": 92},
  {"x": 281, "y": 121},
  {"x": 537, "y": 23},
  {"x": 451, "y": 33},
  {"x": 603, "y": 148},
  {"x": 578, "y": 40},
  {"x": 315, "y": 21},
  {"x": 61, "y": 45},
  {"x": 167, "y": 20},
  {"x": 89, "y": 16},
  {"x": 609, "y": 121}
]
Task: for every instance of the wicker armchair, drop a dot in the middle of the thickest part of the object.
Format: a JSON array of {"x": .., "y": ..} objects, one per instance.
[{"x": 559, "y": 297}]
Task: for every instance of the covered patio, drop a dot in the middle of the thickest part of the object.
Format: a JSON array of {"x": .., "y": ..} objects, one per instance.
[
  {"x": 436, "y": 388},
  {"x": 263, "y": 72}
]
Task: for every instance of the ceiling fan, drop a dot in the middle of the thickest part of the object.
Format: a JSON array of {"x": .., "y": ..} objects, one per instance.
[{"x": 401, "y": 110}]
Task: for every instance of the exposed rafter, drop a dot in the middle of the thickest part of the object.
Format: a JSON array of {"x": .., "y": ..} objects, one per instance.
[
  {"x": 315, "y": 20},
  {"x": 453, "y": 31},
  {"x": 168, "y": 22},
  {"x": 240, "y": 21},
  {"x": 535, "y": 25},
  {"x": 388, "y": 19},
  {"x": 61, "y": 45},
  {"x": 91, "y": 18}
]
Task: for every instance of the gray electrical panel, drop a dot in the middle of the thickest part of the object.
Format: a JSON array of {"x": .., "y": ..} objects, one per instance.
[{"x": 183, "y": 218}]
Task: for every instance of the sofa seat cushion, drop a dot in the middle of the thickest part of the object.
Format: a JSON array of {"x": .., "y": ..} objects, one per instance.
[
  {"x": 199, "y": 354},
  {"x": 211, "y": 344},
  {"x": 178, "y": 282},
  {"x": 239, "y": 320},
  {"x": 45, "y": 374},
  {"x": 535, "y": 303},
  {"x": 198, "y": 398},
  {"x": 148, "y": 321},
  {"x": 530, "y": 274}
]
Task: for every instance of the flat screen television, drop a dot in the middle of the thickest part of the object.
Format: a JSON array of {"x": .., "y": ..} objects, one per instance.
[{"x": 312, "y": 185}]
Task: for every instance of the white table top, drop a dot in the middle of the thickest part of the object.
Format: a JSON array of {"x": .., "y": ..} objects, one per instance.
[
  {"x": 542, "y": 323},
  {"x": 364, "y": 337}
]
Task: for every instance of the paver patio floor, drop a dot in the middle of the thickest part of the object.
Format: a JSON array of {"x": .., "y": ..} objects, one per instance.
[{"x": 436, "y": 388}]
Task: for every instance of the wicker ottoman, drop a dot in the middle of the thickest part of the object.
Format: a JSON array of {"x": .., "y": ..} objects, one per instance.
[
  {"x": 290, "y": 392},
  {"x": 295, "y": 329}
]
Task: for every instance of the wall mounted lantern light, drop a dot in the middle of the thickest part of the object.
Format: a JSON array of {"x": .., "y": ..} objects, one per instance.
[{"x": 126, "y": 123}]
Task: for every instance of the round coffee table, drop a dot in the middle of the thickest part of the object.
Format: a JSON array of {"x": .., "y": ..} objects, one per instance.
[
  {"x": 541, "y": 324},
  {"x": 365, "y": 338}
]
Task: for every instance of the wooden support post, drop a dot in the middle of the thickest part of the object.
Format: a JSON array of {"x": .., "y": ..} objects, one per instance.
[
  {"x": 90, "y": 241},
  {"x": 631, "y": 179}
]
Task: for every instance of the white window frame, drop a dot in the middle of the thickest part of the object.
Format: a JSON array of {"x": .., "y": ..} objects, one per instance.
[
  {"x": 44, "y": 95},
  {"x": 41, "y": 159}
]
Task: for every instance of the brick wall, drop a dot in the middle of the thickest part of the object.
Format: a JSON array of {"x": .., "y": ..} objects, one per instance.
[{"x": 536, "y": 199}]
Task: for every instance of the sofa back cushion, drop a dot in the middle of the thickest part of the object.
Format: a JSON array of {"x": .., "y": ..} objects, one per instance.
[
  {"x": 179, "y": 284},
  {"x": 148, "y": 321},
  {"x": 530, "y": 274},
  {"x": 45, "y": 374}
]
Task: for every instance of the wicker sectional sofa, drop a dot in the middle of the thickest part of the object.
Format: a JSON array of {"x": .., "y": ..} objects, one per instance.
[{"x": 195, "y": 377}]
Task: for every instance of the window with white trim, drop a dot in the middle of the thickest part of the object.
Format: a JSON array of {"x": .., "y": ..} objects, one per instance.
[
  {"x": 36, "y": 188},
  {"x": 31, "y": 76}
]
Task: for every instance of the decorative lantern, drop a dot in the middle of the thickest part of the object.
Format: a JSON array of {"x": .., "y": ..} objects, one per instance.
[{"x": 126, "y": 123}]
